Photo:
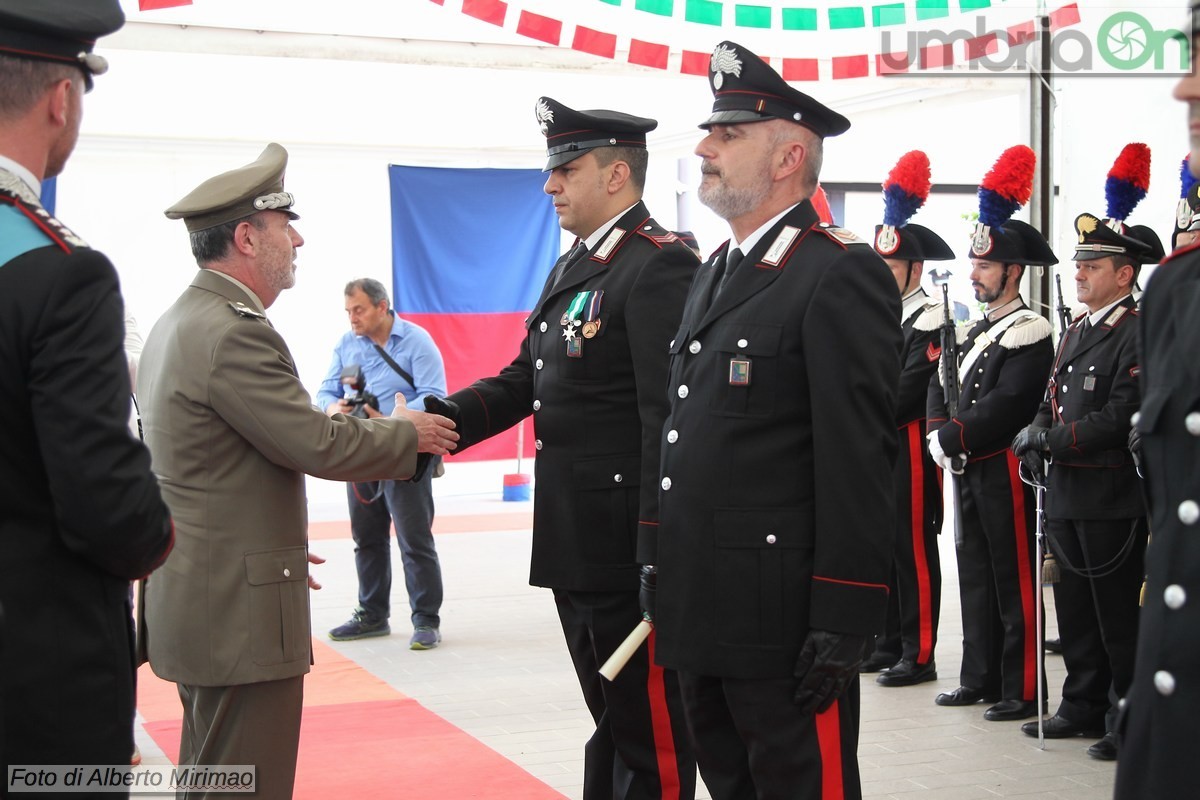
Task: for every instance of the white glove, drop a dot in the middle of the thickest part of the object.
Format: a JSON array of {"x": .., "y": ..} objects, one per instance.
[{"x": 935, "y": 450}]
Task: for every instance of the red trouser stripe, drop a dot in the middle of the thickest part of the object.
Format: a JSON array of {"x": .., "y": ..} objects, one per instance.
[
  {"x": 829, "y": 740},
  {"x": 920, "y": 559},
  {"x": 660, "y": 722},
  {"x": 1025, "y": 576}
]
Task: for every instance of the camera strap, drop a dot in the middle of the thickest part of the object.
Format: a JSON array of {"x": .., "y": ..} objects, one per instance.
[{"x": 401, "y": 371}]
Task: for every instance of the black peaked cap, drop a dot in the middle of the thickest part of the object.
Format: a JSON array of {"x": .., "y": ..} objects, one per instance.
[
  {"x": 746, "y": 89},
  {"x": 62, "y": 31},
  {"x": 1095, "y": 239},
  {"x": 570, "y": 133}
]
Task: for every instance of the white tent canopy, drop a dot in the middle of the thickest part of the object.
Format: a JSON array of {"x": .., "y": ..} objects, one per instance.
[{"x": 351, "y": 87}]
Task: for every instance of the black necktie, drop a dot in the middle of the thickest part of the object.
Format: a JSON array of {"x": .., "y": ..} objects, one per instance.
[
  {"x": 1076, "y": 341},
  {"x": 564, "y": 263},
  {"x": 732, "y": 259}
]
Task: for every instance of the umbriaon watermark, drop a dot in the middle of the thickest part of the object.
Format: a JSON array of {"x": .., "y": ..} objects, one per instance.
[{"x": 1124, "y": 43}]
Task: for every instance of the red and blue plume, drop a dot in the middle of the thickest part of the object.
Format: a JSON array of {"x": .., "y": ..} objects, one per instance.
[
  {"x": 1128, "y": 180},
  {"x": 1186, "y": 181},
  {"x": 1007, "y": 187},
  {"x": 906, "y": 188}
]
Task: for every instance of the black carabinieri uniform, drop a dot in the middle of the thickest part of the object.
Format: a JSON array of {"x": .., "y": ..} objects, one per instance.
[
  {"x": 1161, "y": 721},
  {"x": 1095, "y": 517},
  {"x": 1002, "y": 383},
  {"x": 592, "y": 372},
  {"x": 80, "y": 511},
  {"x": 777, "y": 495},
  {"x": 914, "y": 603}
]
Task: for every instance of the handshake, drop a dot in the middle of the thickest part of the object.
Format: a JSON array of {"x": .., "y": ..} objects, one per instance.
[
  {"x": 439, "y": 422},
  {"x": 435, "y": 426}
]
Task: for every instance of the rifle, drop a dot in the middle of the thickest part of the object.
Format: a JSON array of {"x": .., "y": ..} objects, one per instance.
[
  {"x": 950, "y": 389},
  {"x": 1064, "y": 313}
]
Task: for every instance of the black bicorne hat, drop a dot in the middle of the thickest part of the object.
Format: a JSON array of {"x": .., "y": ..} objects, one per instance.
[
  {"x": 1016, "y": 242},
  {"x": 912, "y": 242},
  {"x": 1154, "y": 246}
]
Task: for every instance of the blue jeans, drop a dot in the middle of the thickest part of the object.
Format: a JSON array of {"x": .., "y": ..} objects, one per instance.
[{"x": 410, "y": 507}]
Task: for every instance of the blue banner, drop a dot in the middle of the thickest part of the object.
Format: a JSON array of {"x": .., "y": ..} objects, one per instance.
[
  {"x": 50, "y": 194},
  {"x": 470, "y": 241}
]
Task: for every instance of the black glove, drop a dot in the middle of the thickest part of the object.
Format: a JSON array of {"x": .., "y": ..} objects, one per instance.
[
  {"x": 445, "y": 407},
  {"x": 1030, "y": 438},
  {"x": 1030, "y": 446},
  {"x": 828, "y": 662},
  {"x": 1135, "y": 446},
  {"x": 1036, "y": 464},
  {"x": 647, "y": 591}
]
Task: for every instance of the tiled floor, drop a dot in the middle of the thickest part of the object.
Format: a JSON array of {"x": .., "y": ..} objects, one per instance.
[{"x": 502, "y": 675}]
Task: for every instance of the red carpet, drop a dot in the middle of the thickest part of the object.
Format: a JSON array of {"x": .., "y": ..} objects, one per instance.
[{"x": 361, "y": 739}]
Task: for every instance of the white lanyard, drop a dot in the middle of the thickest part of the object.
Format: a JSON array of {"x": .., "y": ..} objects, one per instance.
[{"x": 989, "y": 337}]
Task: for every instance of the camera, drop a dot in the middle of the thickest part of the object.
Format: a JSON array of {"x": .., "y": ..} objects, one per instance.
[{"x": 356, "y": 393}]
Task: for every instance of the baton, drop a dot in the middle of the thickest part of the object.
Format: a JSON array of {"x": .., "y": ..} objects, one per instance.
[{"x": 620, "y": 657}]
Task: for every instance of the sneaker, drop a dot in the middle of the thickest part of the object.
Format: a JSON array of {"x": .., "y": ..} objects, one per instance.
[
  {"x": 424, "y": 637},
  {"x": 136, "y": 758},
  {"x": 359, "y": 627}
]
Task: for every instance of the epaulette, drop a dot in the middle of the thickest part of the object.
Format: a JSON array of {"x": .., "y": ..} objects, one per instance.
[
  {"x": 49, "y": 230},
  {"x": 656, "y": 233},
  {"x": 245, "y": 311},
  {"x": 1026, "y": 332},
  {"x": 932, "y": 317},
  {"x": 965, "y": 330},
  {"x": 842, "y": 236},
  {"x": 616, "y": 238}
]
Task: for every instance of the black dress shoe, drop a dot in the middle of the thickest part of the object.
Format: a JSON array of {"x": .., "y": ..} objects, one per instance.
[
  {"x": 1053, "y": 646},
  {"x": 1009, "y": 710},
  {"x": 908, "y": 673},
  {"x": 1059, "y": 727},
  {"x": 877, "y": 661},
  {"x": 964, "y": 696},
  {"x": 1105, "y": 749}
]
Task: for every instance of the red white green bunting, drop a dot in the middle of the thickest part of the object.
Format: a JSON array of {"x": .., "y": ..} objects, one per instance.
[{"x": 667, "y": 31}]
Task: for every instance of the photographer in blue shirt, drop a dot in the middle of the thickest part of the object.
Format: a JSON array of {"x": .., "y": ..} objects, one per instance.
[{"x": 395, "y": 356}]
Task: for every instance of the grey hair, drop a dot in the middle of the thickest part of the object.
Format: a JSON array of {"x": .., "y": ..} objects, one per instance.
[
  {"x": 814, "y": 150},
  {"x": 372, "y": 288},
  {"x": 212, "y": 244}
]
